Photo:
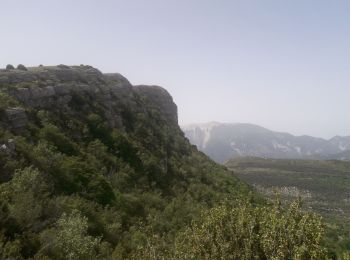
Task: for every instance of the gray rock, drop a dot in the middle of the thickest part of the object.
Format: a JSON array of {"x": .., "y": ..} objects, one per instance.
[
  {"x": 42, "y": 93},
  {"x": 8, "y": 147},
  {"x": 55, "y": 87},
  {"x": 61, "y": 89},
  {"x": 17, "y": 118},
  {"x": 23, "y": 94},
  {"x": 161, "y": 99}
]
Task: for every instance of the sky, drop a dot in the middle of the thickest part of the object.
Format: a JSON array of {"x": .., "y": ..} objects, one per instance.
[{"x": 284, "y": 65}]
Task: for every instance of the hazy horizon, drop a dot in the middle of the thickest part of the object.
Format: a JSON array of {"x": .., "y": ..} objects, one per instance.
[
  {"x": 252, "y": 123},
  {"x": 281, "y": 65}
]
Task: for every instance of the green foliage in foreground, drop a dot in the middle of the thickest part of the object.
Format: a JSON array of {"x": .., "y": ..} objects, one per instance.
[
  {"x": 244, "y": 231},
  {"x": 72, "y": 239},
  {"x": 323, "y": 185}
]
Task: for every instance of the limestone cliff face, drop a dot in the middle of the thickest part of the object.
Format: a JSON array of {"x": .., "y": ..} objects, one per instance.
[
  {"x": 60, "y": 87},
  {"x": 160, "y": 98}
]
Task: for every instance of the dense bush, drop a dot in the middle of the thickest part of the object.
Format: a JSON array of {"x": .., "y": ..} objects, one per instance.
[
  {"x": 10, "y": 67},
  {"x": 70, "y": 238},
  {"x": 7, "y": 101},
  {"x": 244, "y": 231},
  {"x": 21, "y": 67}
]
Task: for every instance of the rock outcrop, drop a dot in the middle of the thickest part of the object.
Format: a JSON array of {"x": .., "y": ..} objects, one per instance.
[
  {"x": 60, "y": 86},
  {"x": 17, "y": 118},
  {"x": 161, "y": 98}
]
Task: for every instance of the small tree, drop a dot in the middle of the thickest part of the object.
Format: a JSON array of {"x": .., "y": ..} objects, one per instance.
[
  {"x": 21, "y": 67},
  {"x": 244, "y": 231},
  {"x": 27, "y": 194},
  {"x": 10, "y": 67},
  {"x": 72, "y": 240},
  {"x": 248, "y": 232}
]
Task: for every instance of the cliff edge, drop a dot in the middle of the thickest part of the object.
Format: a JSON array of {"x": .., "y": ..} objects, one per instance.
[{"x": 64, "y": 87}]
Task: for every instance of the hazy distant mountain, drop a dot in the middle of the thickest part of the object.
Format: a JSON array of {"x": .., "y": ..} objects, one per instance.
[
  {"x": 342, "y": 142},
  {"x": 223, "y": 141}
]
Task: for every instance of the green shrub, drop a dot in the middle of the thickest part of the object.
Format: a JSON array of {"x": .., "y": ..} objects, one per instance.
[
  {"x": 71, "y": 240},
  {"x": 21, "y": 67},
  {"x": 7, "y": 101},
  {"x": 244, "y": 231},
  {"x": 26, "y": 194},
  {"x": 10, "y": 67},
  {"x": 247, "y": 232},
  {"x": 53, "y": 135}
]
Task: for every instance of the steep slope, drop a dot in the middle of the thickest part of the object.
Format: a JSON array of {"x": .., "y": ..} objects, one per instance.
[
  {"x": 222, "y": 142},
  {"x": 90, "y": 166}
]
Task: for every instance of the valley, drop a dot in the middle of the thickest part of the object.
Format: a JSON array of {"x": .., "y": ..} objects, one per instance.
[{"x": 322, "y": 186}]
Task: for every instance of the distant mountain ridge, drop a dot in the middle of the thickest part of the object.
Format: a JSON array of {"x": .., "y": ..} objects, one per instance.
[{"x": 223, "y": 141}]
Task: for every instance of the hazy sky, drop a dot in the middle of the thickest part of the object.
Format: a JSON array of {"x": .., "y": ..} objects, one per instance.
[{"x": 284, "y": 65}]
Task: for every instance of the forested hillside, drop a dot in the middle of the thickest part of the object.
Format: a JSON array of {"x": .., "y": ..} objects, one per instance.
[{"x": 92, "y": 167}]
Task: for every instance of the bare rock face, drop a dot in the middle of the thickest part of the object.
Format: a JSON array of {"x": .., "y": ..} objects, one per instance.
[
  {"x": 49, "y": 86},
  {"x": 58, "y": 87},
  {"x": 17, "y": 118},
  {"x": 161, "y": 99}
]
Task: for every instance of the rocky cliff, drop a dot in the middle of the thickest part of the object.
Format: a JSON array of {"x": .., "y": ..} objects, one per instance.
[
  {"x": 61, "y": 87},
  {"x": 79, "y": 144}
]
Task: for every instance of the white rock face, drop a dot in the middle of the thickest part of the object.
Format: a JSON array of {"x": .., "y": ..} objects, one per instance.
[{"x": 200, "y": 133}]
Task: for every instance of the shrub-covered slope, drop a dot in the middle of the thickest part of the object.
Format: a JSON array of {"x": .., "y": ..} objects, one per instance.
[
  {"x": 93, "y": 167},
  {"x": 105, "y": 153}
]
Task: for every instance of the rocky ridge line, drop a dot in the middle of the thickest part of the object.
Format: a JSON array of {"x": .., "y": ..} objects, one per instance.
[{"x": 56, "y": 86}]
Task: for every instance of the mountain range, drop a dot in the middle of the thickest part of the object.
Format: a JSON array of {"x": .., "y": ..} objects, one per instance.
[{"x": 223, "y": 141}]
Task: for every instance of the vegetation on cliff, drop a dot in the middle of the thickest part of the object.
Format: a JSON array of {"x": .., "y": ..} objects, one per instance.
[{"x": 93, "y": 167}]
